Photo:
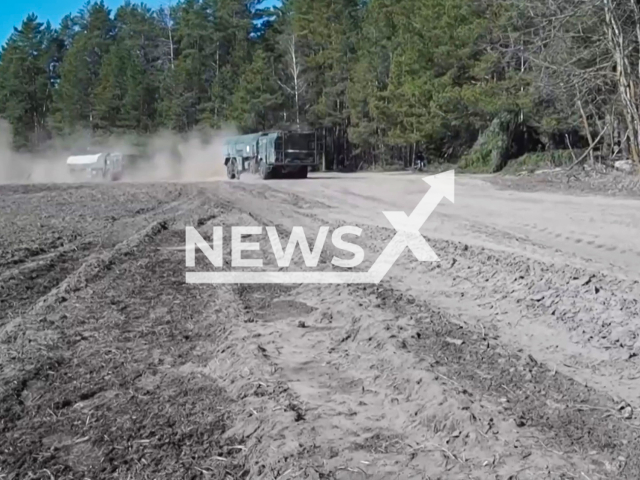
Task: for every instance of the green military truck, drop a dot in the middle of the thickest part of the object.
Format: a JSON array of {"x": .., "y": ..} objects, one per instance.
[{"x": 269, "y": 154}]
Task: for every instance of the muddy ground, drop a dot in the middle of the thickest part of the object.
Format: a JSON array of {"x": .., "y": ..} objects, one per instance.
[{"x": 514, "y": 357}]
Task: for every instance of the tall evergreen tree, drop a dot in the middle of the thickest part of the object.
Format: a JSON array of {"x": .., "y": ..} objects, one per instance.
[
  {"x": 377, "y": 78},
  {"x": 258, "y": 98},
  {"x": 111, "y": 89},
  {"x": 327, "y": 32},
  {"x": 232, "y": 28},
  {"x": 74, "y": 99},
  {"x": 28, "y": 60},
  {"x": 132, "y": 71}
]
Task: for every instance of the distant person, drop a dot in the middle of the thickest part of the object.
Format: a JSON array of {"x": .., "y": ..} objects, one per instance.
[{"x": 420, "y": 161}]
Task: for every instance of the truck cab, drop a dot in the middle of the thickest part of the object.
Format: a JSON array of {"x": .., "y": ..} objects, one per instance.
[
  {"x": 280, "y": 152},
  {"x": 97, "y": 166},
  {"x": 289, "y": 153},
  {"x": 114, "y": 166}
]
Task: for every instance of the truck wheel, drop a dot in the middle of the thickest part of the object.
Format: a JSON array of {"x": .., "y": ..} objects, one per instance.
[
  {"x": 232, "y": 169},
  {"x": 303, "y": 172},
  {"x": 264, "y": 173}
]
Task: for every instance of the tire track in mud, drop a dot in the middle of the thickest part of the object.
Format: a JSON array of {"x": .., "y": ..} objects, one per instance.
[
  {"x": 89, "y": 268},
  {"x": 37, "y": 262},
  {"x": 575, "y": 417},
  {"x": 41, "y": 226},
  {"x": 20, "y": 286},
  {"x": 310, "y": 382},
  {"x": 88, "y": 386},
  {"x": 28, "y": 346},
  {"x": 23, "y": 331},
  {"x": 565, "y": 314},
  {"x": 336, "y": 381},
  {"x": 95, "y": 385},
  {"x": 40, "y": 247},
  {"x": 580, "y": 316},
  {"x": 589, "y": 421}
]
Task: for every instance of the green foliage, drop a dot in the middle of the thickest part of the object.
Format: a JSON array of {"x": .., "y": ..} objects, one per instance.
[
  {"x": 378, "y": 78},
  {"x": 327, "y": 30},
  {"x": 257, "y": 97},
  {"x": 533, "y": 161},
  {"x": 26, "y": 80},
  {"x": 424, "y": 77},
  {"x": 491, "y": 150},
  {"x": 112, "y": 88},
  {"x": 80, "y": 71}
]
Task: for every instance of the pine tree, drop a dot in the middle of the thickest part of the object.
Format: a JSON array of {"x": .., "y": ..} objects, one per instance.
[
  {"x": 370, "y": 79},
  {"x": 258, "y": 98},
  {"x": 376, "y": 78},
  {"x": 26, "y": 81},
  {"x": 420, "y": 75},
  {"x": 327, "y": 32},
  {"x": 111, "y": 89},
  {"x": 188, "y": 81},
  {"x": 74, "y": 100},
  {"x": 140, "y": 36},
  {"x": 232, "y": 26}
]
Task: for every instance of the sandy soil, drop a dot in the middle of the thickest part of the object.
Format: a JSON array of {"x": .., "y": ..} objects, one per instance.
[{"x": 514, "y": 357}]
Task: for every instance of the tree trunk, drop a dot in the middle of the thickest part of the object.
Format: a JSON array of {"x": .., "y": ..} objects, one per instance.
[{"x": 626, "y": 83}]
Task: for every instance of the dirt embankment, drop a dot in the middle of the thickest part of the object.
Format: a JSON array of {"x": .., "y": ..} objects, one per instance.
[
  {"x": 578, "y": 180},
  {"x": 113, "y": 367}
]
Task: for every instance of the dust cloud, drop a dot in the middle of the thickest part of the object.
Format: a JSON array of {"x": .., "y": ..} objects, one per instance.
[
  {"x": 195, "y": 157},
  {"x": 164, "y": 156},
  {"x": 18, "y": 167}
]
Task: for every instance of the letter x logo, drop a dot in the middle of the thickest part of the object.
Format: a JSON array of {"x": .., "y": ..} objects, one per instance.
[{"x": 408, "y": 227}]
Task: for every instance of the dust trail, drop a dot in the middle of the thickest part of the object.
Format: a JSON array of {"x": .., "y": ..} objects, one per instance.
[
  {"x": 164, "y": 156},
  {"x": 19, "y": 167},
  {"x": 196, "y": 157}
]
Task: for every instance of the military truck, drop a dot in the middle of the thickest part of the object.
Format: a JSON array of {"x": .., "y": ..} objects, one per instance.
[
  {"x": 99, "y": 166},
  {"x": 273, "y": 153}
]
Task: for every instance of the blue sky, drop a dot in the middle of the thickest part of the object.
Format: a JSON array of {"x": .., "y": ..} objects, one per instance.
[{"x": 12, "y": 12}]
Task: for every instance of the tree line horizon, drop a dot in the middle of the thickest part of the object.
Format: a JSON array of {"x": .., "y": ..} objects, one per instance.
[{"x": 379, "y": 79}]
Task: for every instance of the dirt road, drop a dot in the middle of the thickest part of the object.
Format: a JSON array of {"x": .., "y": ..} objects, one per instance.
[
  {"x": 514, "y": 357},
  {"x": 529, "y": 247}
]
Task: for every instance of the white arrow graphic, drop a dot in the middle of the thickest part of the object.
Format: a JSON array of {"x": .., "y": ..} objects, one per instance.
[
  {"x": 407, "y": 235},
  {"x": 408, "y": 228}
]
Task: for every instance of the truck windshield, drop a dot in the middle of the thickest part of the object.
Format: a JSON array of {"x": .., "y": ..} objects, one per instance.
[{"x": 300, "y": 142}]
